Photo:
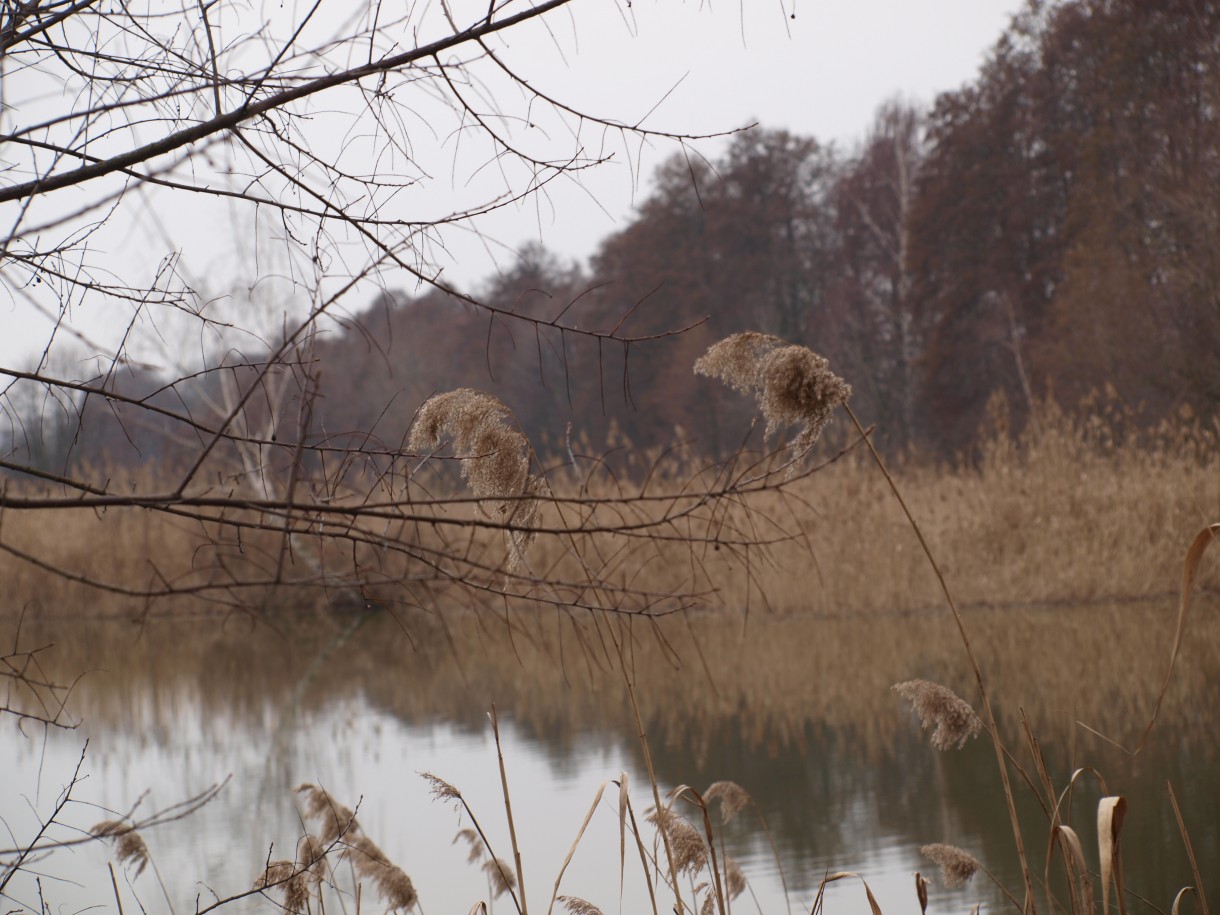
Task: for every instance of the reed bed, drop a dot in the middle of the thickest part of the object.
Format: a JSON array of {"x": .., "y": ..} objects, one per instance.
[{"x": 1081, "y": 507}]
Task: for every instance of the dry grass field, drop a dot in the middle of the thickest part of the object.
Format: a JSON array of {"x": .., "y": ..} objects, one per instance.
[{"x": 1076, "y": 510}]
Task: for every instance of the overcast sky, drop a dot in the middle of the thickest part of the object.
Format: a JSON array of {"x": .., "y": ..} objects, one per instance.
[
  {"x": 814, "y": 67},
  {"x": 822, "y": 73}
]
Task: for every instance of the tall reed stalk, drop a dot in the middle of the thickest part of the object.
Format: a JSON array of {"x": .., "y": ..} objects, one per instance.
[{"x": 989, "y": 715}]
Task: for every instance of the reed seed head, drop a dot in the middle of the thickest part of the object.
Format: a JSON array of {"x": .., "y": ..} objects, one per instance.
[
  {"x": 792, "y": 384},
  {"x": 956, "y": 866},
  {"x": 337, "y": 821},
  {"x": 734, "y": 878},
  {"x": 276, "y": 873},
  {"x": 685, "y": 842},
  {"x": 501, "y": 876},
  {"x": 473, "y": 840},
  {"x": 938, "y": 705},
  {"x": 366, "y": 856},
  {"x": 495, "y": 457},
  {"x": 311, "y": 857},
  {"x": 334, "y": 820},
  {"x": 390, "y": 881},
  {"x": 132, "y": 850},
  {"x": 292, "y": 883},
  {"x": 733, "y": 798},
  {"x": 577, "y": 906},
  {"x": 441, "y": 789},
  {"x": 129, "y": 846}
]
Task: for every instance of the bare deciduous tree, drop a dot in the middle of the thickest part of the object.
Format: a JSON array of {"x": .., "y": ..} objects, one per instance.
[{"x": 299, "y": 148}]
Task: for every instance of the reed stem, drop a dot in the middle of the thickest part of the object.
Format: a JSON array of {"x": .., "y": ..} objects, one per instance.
[{"x": 989, "y": 715}]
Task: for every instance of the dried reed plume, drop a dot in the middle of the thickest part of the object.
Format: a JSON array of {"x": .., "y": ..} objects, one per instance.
[
  {"x": 311, "y": 857},
  {"x": 391, "y": 881},
  {"x": 501, "y": 876},
  {"x": 333, "y": 818},
  {"x": 292, "y": 882},
  {"x": 955, "y": 720},
  {"x": 129, "y": 847},
  {"x": 689, "y": 852},
  {"x": 733, "y": 798},
  {"x": 792, "y": 384},
  {"x": 956, "y": 866},
  {"x": 495, "y": 457},
  {"x": 441, "y": 789},
  {"x": 578, "y": 906},
  {"x": 734, "y": 878},
  {"x": 471, "y": 837}
]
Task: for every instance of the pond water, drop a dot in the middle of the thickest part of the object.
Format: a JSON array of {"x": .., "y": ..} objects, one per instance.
[{"x": 796, "y": 711}]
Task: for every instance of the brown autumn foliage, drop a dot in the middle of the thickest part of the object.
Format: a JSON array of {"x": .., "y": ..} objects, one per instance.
[{"x": 1064, "y": 222}]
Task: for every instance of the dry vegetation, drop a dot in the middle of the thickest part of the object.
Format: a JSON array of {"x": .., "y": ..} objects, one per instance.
[
  {"x": 1061, "y": 544},
  {"x": 1080, "y": 508}
]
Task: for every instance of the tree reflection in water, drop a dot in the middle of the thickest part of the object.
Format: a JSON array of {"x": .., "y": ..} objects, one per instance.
[{"x": 798, "y": 711}]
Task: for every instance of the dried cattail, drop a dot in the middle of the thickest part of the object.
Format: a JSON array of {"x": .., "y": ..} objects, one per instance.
[
  {"x": 501, "y": 876},
  {"x": 473, "y": 840},
  {"x": 956, "y": 866},
  {"x": 129, "y": 846},
  {"x": 938, "y": 705},
  {"x": 495, "y": 457},
  {"x": 685, "y": 842},
  {"x": 733, "y": 798},
  {"x": 334, "y": 820},
  {"x": 792, "y": 384},
  {"x": 578, "y": 906}
]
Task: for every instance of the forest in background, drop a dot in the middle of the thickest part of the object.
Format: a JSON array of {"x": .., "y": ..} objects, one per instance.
[{"x": 1048, "y": 231}]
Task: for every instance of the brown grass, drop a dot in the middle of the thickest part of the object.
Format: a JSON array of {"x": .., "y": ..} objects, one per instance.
[{"x": 1081, "y": 509}]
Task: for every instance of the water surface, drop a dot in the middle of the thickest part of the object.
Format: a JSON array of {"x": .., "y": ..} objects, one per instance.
[{"x": 797, "y": 711}]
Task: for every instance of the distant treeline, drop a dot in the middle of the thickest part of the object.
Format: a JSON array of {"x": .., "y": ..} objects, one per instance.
[{"x": 1052, "y": 228}]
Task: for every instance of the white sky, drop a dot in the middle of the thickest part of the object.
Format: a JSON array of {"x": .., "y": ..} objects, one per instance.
[
  {"x": 734, "y": 62},
  {"x": 727, "y": 62}
]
